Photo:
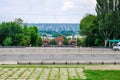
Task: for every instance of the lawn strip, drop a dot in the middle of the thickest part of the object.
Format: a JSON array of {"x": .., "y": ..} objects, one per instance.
[
  {"x": 103, "y": 74},
  {"x": 58, "y": 73},
  {"x": 41, "y": 66}
]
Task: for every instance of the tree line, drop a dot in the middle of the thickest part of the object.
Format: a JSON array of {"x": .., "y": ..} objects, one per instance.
[
  {"x": 17, "y": 34},
  {"x": 104, "y": 26}
]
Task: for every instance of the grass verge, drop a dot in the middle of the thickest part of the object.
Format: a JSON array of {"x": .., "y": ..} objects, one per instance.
[{"x": 102, "y": 75}]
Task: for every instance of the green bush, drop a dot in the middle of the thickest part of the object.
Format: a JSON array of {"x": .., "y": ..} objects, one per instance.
[{"x": 8, "y": 41}]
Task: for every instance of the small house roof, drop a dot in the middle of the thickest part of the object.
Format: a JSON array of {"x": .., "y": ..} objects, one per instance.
[{"x": 59, "y": 38}]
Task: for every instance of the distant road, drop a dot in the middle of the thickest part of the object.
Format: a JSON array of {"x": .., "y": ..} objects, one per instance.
[
  {"x": 59, "y": 54},
  {"x": 59, "y": 57}
]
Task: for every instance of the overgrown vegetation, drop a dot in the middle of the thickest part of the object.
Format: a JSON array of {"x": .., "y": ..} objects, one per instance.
[{"x": 17, "y": 34}]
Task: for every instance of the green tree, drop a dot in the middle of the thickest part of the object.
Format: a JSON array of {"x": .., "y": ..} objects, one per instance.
[
  {"x": 25, "y": 41},
  {"x": 53, "y": 42},
  {"x": 66, "y": 41},
  {"x": 85, "y": 24},
  {"x": 89, "y": 28},
  {"x": 108, "y": 14},
  {"x": 21, "y": 35},
  {"x": 9, "y": 29},
  {"x": 39, "y": 42},
  {"x": 8, "y": 41},
  {"x": 34, "y": 36},
  {"x": 79, "y": 42}
]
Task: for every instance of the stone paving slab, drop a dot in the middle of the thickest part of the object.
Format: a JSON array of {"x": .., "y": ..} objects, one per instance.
[{"x": 47, "y": 74}]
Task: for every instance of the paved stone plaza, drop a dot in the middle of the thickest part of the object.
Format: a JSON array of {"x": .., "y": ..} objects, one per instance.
[{"x": 41, "y": 73}]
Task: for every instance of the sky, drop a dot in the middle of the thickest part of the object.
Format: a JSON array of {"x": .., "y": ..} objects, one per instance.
[{"x": 46, "y": 11}]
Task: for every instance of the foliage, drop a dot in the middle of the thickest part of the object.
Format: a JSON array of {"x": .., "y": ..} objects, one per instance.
[
  {"x": 89, "y": 28},
  {"x": 53, "y": 42},
  {"x": 99, "y": 29},
  {"x": 86, "y": 23},
  {"x": 108, "y": 14},
  {"x": 7, "y": 41},
  {"x": 17, "y": 34},
  {"x": 66, "y": 41},
  {"x": 102, "y": 75},
  {"x": 78, "y": 42},
  {"x": 9, "y": 29},
  {"x": 33, "y": 35},
  {"x": 39, "y": 41}
]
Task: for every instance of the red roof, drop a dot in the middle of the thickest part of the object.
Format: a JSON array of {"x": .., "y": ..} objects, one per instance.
[{"x": 60, "y": 38}]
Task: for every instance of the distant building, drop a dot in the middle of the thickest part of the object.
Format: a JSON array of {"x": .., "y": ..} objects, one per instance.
[
  {"x": 46, "y": 42},
  {"x": 59, "y": 40},
  {"x": 73, "y": 42}
]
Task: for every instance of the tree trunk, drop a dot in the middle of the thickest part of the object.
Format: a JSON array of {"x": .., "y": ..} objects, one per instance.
[{"x": 106, "y": 42}]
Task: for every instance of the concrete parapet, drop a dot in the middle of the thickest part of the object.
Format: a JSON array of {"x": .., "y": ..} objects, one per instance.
[
  {"x": 62, "y": 62},
  {"x": 10, "y": 62}
]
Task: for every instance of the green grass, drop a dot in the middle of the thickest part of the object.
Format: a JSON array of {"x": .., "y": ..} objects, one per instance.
[
  {"x": 103, "y": 75},
  {"x": 41, "y": 66},
  {"x": 58, "y": 73},
  {"x": 74, "y": 79}
]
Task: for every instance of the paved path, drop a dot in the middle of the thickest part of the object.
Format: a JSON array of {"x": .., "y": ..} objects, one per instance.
[{"x": 61, "y": 57}]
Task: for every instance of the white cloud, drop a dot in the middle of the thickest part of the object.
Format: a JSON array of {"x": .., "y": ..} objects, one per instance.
[
  {"x": 61, "y": 11},
  {"x": 67, "y": 5}
]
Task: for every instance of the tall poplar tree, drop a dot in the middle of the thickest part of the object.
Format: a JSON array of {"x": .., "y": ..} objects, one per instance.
[{"x": 108, "y": 14}]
